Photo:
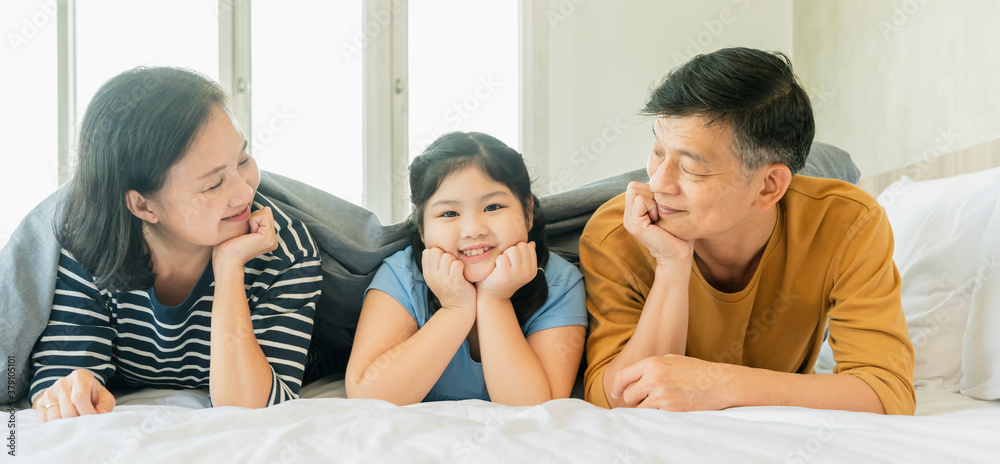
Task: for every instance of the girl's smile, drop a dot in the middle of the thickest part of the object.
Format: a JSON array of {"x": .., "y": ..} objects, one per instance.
[{"x": 474, "y": 218}]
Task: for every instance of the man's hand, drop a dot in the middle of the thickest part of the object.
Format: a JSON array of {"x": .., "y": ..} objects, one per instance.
[
  {"x": 261, "y": 239},
  {"x": 675, "y": 383},
  {"x": 515, "y": 267},
  {"x": 445, "y": 276},
  {"x": 77, "y": 394},
  {"x": 641, "y": 219}
]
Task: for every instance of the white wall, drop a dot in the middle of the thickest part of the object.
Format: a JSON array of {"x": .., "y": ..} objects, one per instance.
[
  {"x": 605, "y": 55},
  {"x": 901, "y": 80}
]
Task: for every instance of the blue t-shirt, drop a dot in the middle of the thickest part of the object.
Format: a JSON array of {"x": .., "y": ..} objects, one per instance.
[{"x": 463, "y": 378}]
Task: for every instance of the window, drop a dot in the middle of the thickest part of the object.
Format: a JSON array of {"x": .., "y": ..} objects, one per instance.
[
  {"x": 307, "y": 93},
  {"x": 463, "y": 70},
  {"x": 339, "y": 95},
  {"x": 117, "y": 35},
  {"x": 28, "y": 160}
]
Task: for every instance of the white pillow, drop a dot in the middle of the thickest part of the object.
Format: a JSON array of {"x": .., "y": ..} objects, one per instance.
[
  {"x": 981, "y": 347},
  {"x": 938, "y": 226}
]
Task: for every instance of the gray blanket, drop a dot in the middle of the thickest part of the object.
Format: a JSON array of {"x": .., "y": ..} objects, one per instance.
[{"x": 352, "y": 240}]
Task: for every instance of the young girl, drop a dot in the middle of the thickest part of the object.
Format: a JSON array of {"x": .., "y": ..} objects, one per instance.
[{"x": 476, "y": 307}]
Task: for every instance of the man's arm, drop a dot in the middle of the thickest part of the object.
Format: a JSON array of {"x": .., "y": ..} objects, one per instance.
[
  {"x": 656, "y": 313},
  {"x": 681, "y": 383},
  {"x": 867, "y": 333},
  {"x": 661, "y": 329}
]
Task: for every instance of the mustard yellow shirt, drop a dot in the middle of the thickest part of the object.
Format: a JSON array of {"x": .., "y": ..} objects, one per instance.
[{"x": 828, "y": 263}]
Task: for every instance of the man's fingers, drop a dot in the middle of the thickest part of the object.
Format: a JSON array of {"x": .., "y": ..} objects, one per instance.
[
  {"x": 624, "y": 378},
  {"x": 634, "y": 394}
]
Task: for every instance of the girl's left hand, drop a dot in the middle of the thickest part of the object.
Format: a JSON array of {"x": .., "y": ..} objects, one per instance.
[
  {"x": 517, "y": 266},
  {"x": 261, "y": 239}
]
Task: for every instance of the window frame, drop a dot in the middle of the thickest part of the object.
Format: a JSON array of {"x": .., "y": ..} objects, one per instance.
[{"x": 385, "y": 93}]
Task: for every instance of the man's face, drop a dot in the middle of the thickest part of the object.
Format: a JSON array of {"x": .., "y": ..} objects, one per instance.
[{"x": 698, "y": 184}]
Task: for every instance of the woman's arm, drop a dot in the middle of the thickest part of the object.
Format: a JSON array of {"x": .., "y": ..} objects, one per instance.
[
  {"x": 72, "y": 358},
  {"x": 392, "y": 360},
  {"x": 239, "y": 374}
]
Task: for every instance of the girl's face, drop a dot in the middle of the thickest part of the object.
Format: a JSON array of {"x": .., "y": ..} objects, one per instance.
[
  {"x": 474, "y": 218},
  {"x": 207, "y": 195}
]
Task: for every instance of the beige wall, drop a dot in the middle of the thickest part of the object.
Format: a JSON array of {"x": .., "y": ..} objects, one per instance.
[
  {"x": 604, "y": 56},
  {"x": 902, "y": 80}
]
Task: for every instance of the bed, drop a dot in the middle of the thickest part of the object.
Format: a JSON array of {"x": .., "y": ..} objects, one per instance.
[
  {"x": 162, "y": 426},
  {"x": 952, "y": 305}
]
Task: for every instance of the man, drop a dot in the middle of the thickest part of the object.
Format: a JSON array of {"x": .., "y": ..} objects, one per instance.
[{"x": 713, "y": 285}]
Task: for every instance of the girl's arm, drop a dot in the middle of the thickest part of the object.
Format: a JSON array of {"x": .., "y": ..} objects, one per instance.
[
  {"x": 521, "y": 371},
  {"x": 392, "y": 360}
]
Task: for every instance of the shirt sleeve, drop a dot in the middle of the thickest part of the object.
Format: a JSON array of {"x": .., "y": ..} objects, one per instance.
[
  {"x": 79, "y": 334},
  {"x": 390, "y": 279},
  {"x": 565, "y": 305},
  {"x": 615, "y": 299},
  {"x": 868, "y": 334},
  {"x": 282, "y": 320}
]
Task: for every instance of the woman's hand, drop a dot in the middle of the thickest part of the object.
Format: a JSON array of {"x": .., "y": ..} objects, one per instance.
[
  {"x": 641, "y": 219},
  {"x": 515, "y": 267},
  {"x": 77, "y": 394},
  {"x": 261, "y": 239},
  {"x": 445, "y": 276}
]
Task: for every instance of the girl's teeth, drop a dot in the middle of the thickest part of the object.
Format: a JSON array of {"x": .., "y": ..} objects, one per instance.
[{"x": 476, "y": 252}]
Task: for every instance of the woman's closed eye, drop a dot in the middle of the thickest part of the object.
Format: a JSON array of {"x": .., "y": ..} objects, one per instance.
[{"x": 216, "y": 185}]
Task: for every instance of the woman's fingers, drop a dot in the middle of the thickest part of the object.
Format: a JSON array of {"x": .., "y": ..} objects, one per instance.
[
  {"x": 82, "y": 395},
  {"x": 104, "y": 401},
  {"x": 65, "y": 397},
  {"x": 77, "y": 394}
]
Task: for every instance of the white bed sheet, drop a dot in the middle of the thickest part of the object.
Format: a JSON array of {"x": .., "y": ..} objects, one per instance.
[{"x": 174, "y": 426}]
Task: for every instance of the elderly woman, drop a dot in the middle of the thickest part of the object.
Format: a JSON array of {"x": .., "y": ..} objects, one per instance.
[{"x": 175, "y": 272}]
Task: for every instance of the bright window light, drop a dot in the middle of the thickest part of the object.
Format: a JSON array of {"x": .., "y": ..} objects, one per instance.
[
  {"x": 116, "y": 35},
  {"x": 29, "y": 120},
  {"x": 463, "y": 70},
  {"x": 307, "y": 93}
]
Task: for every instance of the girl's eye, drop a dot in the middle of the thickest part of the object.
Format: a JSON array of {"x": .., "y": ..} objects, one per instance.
[
  {"x": 493, "y": 207},
  {"x": 449, "y": 214}
]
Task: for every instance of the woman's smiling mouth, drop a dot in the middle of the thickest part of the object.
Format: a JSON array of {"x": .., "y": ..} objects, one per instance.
[{"x": 239, "y": 217}]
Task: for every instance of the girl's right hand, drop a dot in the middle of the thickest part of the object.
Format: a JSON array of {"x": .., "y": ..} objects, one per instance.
[
  {"x": 445, "y": 276},
  {"x": 77, "y": 394}
]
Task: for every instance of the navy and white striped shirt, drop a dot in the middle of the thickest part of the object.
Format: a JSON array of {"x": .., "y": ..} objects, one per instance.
[{"x": 148, "y": 344}]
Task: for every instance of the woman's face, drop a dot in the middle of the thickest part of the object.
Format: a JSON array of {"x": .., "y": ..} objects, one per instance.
[
  {"x": 474, "y": 218},
  {"x": 207, "y": 195}
]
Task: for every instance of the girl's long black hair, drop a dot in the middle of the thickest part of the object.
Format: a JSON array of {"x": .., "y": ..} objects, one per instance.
[{"x": 455, "y": 151}]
